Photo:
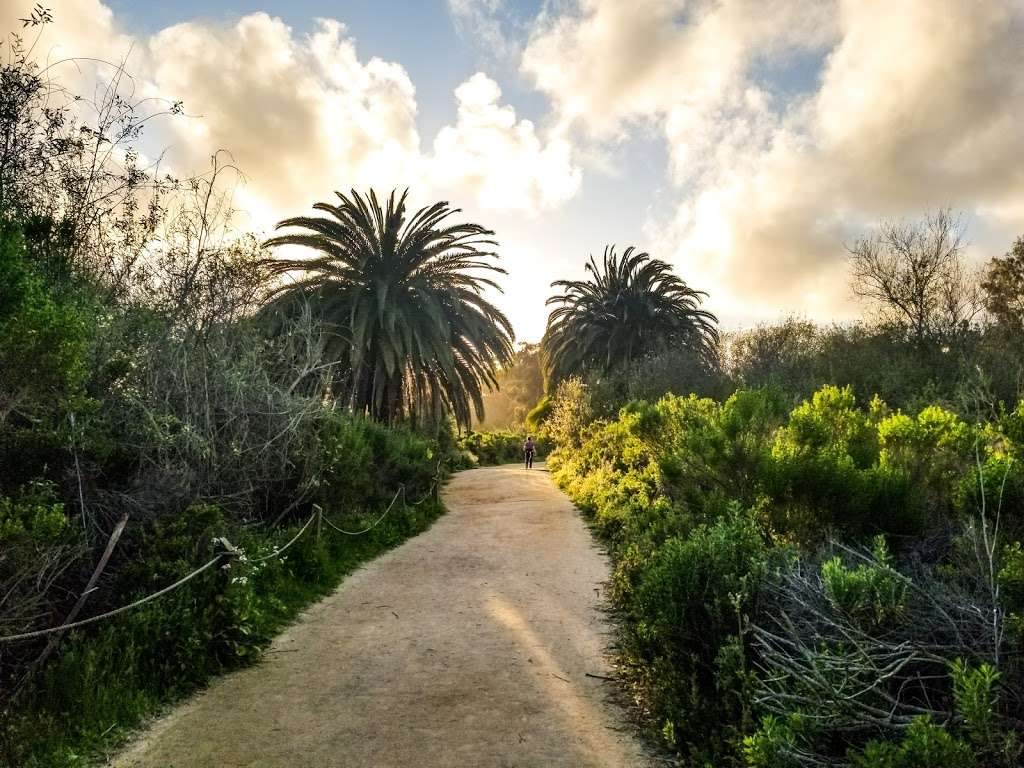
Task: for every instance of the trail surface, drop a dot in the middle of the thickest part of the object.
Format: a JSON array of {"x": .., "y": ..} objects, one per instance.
[{"x": 469, "y": 645}]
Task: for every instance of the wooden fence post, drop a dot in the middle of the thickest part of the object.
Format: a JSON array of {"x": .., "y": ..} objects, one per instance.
[{"x": 89, "y": 588}]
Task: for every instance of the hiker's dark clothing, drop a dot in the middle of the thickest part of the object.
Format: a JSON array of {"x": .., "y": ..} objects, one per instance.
[{"x": 529, "y": 448}]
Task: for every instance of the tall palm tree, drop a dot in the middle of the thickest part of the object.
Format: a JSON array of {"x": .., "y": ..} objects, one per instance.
[
  {"x": 626, "y": 308},
  {"x": 412, "y": 330}
]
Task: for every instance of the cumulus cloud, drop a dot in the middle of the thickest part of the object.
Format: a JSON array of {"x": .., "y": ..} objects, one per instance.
[
  {"x": 303, "y": 115},
  {"x": 501, "y": 159},
  {"x": 914, "y": 104},
  {"x": 611, "y": 61}
]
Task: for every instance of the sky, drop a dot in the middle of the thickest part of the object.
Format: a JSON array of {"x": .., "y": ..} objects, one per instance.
[{"x": 746, "y": 142}]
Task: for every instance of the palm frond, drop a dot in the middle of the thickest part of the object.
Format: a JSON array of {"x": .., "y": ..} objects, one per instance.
[
  {"x": 420, "y": 338},
  {"x": 627, "y": 307}
]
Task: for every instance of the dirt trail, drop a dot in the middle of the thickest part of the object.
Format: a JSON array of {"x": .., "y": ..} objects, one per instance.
[{"x": 467, "y": 646}]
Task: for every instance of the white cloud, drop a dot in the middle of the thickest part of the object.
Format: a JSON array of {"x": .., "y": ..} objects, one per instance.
[
  {"x": 503, "y": 161},
  {"x": 611, "y": 62},
  {"x": 484, "y": 24},
  {"x": 303, "y": 115},
  {"x": 919, "y": 103}
]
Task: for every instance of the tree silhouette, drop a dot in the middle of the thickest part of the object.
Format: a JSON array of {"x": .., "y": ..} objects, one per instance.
[
  {"x": 410, "y": 332},
  {"x": 628, "y": 307}
]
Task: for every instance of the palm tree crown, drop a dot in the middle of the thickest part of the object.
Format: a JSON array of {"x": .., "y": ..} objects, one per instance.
[
  {"x": 626, "y": 308},
  {"x": 413, "y": 334}
]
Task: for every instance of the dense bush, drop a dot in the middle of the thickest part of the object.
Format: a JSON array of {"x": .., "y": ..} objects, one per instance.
[
  {"x": 790, "y": 575},
  {"x": 500, "y": 447},
  {"x": 120, "y": 670},
  {"x": 688, "y": 619},
  {"x": 799, "y": 357}
]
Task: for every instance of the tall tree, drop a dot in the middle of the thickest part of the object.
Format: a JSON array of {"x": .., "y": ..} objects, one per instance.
[
  {"x": 628, "y": 307},
  {"x": 913, "y": 275},
  {"x": 411, "y": 334},
  {"x": 1003, "y": 286}
]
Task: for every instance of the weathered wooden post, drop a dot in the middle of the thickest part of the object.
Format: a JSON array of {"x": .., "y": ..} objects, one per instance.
[{"x": 227, "y": 552}]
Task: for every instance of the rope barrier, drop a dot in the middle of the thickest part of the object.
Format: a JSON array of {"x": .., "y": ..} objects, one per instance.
[
  {"x": 424, "y": 497},
  {"x": 295, "y": 538},
  {"x": 430, "y": 490},
  {"x": 116, "y": 611},
  {"x": 229, "y": 552},
  {"x": 373, "y": 524}
]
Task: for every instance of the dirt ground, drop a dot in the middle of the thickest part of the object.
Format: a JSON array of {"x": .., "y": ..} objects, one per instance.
[{"x": 469, "y": 645}]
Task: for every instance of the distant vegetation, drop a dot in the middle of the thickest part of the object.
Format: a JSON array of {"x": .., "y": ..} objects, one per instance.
[
  {"x": 520, "y": 388},
  {"x": 496, "y": 447}
]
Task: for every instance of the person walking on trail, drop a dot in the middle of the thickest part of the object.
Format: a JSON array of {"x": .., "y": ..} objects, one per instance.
[{"x": 529, "y": 448}]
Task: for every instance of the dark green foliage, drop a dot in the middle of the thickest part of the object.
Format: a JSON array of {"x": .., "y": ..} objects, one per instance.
[
  {"x": 44, "y": 346},
  {"x": 686, "y": 618},
  {"x": 870, "y": 595},
  {"x": 411, "y": 335},
  {"x": 925, "y": 745},
  {"x": 628, "y": 308},
  {"x": 342, "y": 448},
  {"x": 487, "y": 449},
  {"x": 1011, "y": 579}
]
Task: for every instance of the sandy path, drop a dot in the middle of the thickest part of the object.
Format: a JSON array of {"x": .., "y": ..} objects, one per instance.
[{"x": 466, "y": 646}]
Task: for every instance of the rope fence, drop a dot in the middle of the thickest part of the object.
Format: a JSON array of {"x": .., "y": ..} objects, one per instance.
[
  {"x": 116, "y": 611},
  {"x": 277, "y": 552},
  {"x": 372, "y": 525},
  {"x": 230, "y": 551}
]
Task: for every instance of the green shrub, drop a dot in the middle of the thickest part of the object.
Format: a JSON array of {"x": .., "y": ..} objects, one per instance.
[
  {"x": 974, "y": 690},
  {"x": 687, "y": 628},
  {"x": 1011, "y": 580},
  {"x": 774, "y": 744},
  {"x": 570, "y": 415},
  {"x": 539, "y": 413},
  {"x": 45, "y": 339},
  {"x": 502, "y": 447},
  {"x": 932, "y": 450},
  {"x": 31, "y": 516},
  {"x": 926, "y": 745},
  {"x": 872, "y": 595},
  {"x": 828, "y": 475},
  {"x": 43, "y": 335}
]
